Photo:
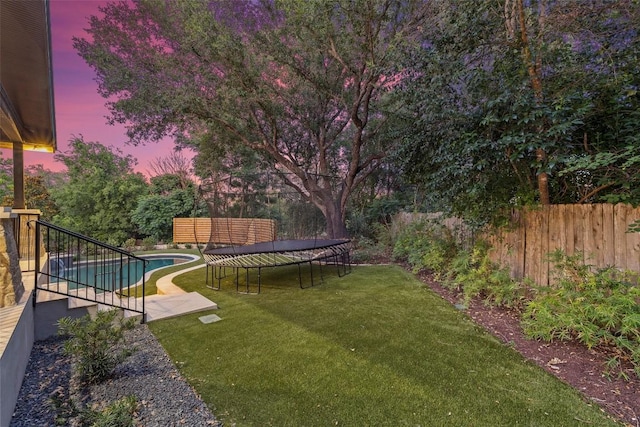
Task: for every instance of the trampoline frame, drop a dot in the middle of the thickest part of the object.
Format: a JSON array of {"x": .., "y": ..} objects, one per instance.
[{"x": 276, "y": 253}]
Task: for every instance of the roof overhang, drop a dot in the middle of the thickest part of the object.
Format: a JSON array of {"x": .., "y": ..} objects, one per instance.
[{"x": 26, "y": 76}]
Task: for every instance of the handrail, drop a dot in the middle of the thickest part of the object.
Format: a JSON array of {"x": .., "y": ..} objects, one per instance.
[{"x": 81, "y": 267}]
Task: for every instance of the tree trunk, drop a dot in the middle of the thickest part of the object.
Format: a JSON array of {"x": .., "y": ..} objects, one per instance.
[
  {"x": 336, "y": 227},
  {"x": 534, "y": 70}
]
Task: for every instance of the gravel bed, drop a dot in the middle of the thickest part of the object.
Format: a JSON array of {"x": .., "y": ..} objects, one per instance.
[{"x": 164, "y": 397}]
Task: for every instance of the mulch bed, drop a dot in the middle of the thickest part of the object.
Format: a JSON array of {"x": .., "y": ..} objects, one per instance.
[{"x": 571, "y": 362}]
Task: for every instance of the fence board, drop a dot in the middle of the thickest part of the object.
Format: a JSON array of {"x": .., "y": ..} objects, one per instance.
[
  {"x": 533, "y": 255},
  {"x": 619, "y": 231},
  {"x": 589, "y": 235},
  {"x": 568, "y": 218},
  {"x": 579, "y": 224},
  {"x": 557, "y": 238},
  {"x": 543, "y": 276},
  {"x": 632, "y": 241},
  {"x": 608, "y": 242}
]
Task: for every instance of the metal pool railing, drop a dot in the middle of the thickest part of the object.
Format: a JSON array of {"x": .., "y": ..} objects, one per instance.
[{"x": 81, "y": 267}]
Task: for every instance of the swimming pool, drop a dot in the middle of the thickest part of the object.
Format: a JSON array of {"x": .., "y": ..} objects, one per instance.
[{"x": 116, "y": 274}]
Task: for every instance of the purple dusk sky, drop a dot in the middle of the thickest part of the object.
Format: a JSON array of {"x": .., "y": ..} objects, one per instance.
[{"x": 79, "y": 109}]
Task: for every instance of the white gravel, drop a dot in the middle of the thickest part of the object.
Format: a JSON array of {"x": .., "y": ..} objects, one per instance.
[{"x": 164, "y": 397}]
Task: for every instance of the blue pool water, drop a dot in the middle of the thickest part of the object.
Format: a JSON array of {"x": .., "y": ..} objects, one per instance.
[{"x": 117, "y": 274}]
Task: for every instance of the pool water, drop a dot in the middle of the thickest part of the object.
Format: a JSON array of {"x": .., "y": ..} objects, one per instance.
[{"x": 117, "y": 275}]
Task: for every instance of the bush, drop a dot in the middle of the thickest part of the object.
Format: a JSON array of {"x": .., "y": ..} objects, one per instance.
[
  {"x": 93, "y": 343},
  {"x": 477, "y": 276},
  {"x": 118, "y": 414},
  {"x": 426, "y": 245},
  {"x": 130, "y": 245},
  {"x": 149, "y": 243},
  {"x": 113, "y": 242},
  {"x": 598, "y": 308}
]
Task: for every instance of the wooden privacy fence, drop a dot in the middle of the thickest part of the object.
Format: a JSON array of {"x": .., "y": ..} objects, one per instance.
[
  {"x": 226, "y": 231},
  {"x": 599, "y": 231}
]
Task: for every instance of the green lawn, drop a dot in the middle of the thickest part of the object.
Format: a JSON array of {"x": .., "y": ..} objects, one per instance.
[
  {"x": 374, "y": 348},
  {"x": 150, "y": 285}
]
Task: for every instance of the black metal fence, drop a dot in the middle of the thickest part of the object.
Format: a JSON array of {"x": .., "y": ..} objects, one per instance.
[{"x": 81, "y": 267}]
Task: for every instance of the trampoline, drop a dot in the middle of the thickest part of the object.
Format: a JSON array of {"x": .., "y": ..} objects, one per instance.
[
  {"x": 257, "y": 221},
  {"x": 276, "y": 253}
]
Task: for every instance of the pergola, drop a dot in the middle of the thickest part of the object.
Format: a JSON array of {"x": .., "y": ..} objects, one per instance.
[{"x": 27, "y": 119}]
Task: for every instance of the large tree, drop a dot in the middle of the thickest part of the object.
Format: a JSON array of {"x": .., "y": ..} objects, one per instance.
[
  {"x": 302, "y": 83},
  {"x": 521, "y": 102},
  {"x": 101, "y": 192}
]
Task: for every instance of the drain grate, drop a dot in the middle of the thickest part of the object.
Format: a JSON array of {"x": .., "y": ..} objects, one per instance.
[{"x": 211, "y": 318}]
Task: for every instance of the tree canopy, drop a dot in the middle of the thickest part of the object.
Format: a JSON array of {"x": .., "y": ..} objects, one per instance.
[
  {"x": 170, "y": 196},
  {"x": 302, "y": 83},
  {"x": 521, "y": 102},
  {"x": 101, "y": 191}
]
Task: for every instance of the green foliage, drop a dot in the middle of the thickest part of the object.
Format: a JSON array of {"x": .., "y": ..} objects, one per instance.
[
  {"x": 597, "y": 308},
  {"x": 6, "y": 178},
  {"x": 36, "y": 195},
  {"x": 94, "y": 343},
  {"x": 149, "y": 243},
  {"x": 117, "y": 414},
  {"x": 326, "y": 112},
  {"x": 101, "y": 192},
  {"x": 426, "y": 245},
  {"x": 477, "y": 123},
  {"x": 169, "y": 199},
  {"x": 634, "y": 227},
  {"x": 363, "y": 220},
  {"x": 477, "y": 276},
  {"x": 373, "y": 250},
  {"x": 130, "y": 244}
]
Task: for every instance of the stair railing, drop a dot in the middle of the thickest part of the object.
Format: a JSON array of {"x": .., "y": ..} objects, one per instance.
[{"x": 68, "y": 263}]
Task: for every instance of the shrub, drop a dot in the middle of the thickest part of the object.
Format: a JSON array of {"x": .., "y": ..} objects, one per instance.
[
  {"x": 118, "y": 414},
  {"x": 130, "y": 245},
  {"x": 93, "y": 343},
  {"x": 595, "y": 307},
  {"x": 112, "y": 241},
  {"x": 426, "y": 245},
  {"x": 149, "y": 243},
  {"x": 476, "y": 275}
]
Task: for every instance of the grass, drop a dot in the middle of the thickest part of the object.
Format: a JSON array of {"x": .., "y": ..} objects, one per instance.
[
  {"x": 150, "y": 284},
  {"x": 374, "y": 348}
]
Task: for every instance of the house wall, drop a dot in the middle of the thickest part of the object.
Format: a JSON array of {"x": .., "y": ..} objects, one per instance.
[{"x": 16, "y": 342}]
